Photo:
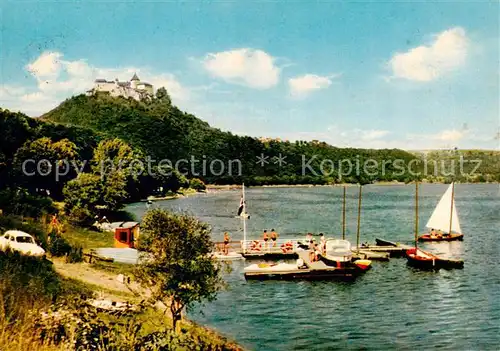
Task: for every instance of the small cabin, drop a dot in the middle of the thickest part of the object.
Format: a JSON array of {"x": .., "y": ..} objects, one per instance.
[{"x": 126, "y": 235}]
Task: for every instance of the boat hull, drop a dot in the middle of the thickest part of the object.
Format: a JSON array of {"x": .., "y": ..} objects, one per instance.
[
  {"x": 382, "y": 242},
  {"x": 360, "y": 265},
  {"x": 306, "y": 274},
  {"x": 431, "y": 262},
  {"x": 451, "y": 237}
]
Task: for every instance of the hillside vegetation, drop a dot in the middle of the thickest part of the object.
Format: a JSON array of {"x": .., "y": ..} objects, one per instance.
[{"x": 162, "y": 131}]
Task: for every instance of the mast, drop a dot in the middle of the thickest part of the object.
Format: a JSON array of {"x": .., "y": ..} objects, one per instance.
[
  {"x": 416, "y": 214},
  {"x": 244, "y": 219},
  {"x": 452, "y": 200},
  {"x": 343, "y": 216},
  {"x": 359, "y": 218}
]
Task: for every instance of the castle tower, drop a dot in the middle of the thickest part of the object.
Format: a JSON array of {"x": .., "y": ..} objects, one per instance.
[{"x": 134, "y": 81}]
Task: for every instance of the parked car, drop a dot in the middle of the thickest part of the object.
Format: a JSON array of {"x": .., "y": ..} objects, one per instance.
[{"x": 20, "y": 241}]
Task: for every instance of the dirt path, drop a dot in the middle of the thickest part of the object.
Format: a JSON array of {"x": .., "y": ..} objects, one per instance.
[{"x": 108, "y": 281}]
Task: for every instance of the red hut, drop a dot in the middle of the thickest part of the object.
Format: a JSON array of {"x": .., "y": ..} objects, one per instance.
[{"x": 126, "y": 234}]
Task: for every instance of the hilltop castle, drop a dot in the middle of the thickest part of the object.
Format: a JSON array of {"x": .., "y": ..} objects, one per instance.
[{"x": 134, "y": 88}]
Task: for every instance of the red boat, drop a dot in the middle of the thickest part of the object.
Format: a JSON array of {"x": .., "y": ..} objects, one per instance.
[
  {"x": 441, "y": 237},
  {"x": 425, "y": 260}
]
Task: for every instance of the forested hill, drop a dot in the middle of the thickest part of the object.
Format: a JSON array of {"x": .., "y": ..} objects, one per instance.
[{"x": 162, "y": 131}]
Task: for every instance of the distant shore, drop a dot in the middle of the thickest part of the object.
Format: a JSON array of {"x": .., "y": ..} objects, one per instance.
[{"x": 216, "y": 188}]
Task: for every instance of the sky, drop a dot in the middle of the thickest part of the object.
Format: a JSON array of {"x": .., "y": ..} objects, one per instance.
[{"x": 411, "y": 75}]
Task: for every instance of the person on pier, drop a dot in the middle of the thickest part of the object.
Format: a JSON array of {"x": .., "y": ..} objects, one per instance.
[
  {"x": 265, "y": 237},
  {"x": 274, "y": 237},
  {"x": 227, "y": 239},
  {"x": 322, "y": 243}
]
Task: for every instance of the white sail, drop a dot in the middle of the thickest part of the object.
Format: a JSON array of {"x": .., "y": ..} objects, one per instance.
[{"x": 440, "y": 218}]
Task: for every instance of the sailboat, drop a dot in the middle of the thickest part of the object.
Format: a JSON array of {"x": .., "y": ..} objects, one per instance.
[
  {"x": 425, "y": 260},
  {"x": 443, "y": 224},
  {"x": 243, "y": 205}
]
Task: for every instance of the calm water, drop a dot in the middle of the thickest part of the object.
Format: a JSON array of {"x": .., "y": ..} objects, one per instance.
[{"x": 392, "y": 306}]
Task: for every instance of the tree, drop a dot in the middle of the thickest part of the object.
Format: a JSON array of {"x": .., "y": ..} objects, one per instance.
[
  {"x": 169, "y": 179},
  {"x": 82, "y": 195},
  {"x": 44, "y": 164},
  {"x": 112, "y": 155},
  {"x": 163, "y": 96},
  {"x": 180, "y": 270},
  {"x": 197, "y": 184}
]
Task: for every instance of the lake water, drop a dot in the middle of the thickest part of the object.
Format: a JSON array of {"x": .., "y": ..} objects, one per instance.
[{"x": 392, "y": 306}]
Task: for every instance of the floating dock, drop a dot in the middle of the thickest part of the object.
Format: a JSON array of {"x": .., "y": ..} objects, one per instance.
[
  {"x": 366, "y": 254},
  {"x": 317, "y": 270}
]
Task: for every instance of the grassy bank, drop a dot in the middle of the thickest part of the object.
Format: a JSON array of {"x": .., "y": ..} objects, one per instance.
[{"x": 31, "y": 286}]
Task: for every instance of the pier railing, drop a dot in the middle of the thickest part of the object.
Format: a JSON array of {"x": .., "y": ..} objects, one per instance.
[{"x": 270, "y": 246}]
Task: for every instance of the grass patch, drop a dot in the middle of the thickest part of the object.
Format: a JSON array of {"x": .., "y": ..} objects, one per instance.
[{"x": 88, "y": 239}]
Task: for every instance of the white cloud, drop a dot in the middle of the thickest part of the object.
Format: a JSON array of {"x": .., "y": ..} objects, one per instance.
[
  {"x": 57, "y": 79},
  {"x": 303, "y": 85},
  {"x": 452, "y": 135},
  {"x": 253, "y": 68},
  {"x": 447, "y": 52},
  {"x": 33, "y": 97},
  {"x": 46, "y": 67},
  {"x": 373, "y": 134},
  {"x": 176, "y": 90},
  {"x": 384, "y": 139}
]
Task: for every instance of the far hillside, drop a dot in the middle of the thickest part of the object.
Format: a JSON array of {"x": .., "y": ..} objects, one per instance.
[{"x": 162, "y": 131}]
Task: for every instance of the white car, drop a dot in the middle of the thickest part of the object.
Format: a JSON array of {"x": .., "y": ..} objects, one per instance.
[{"x": 20, "y": 241}]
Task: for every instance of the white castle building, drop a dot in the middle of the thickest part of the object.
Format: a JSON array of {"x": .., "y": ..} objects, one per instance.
[{"x": 133, "y": 88}]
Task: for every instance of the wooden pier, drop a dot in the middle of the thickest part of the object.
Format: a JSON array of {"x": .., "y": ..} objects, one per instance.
[
  {"x": 365, "y": 254},
  {"x": 317, "y": 270},
  {"x": 271, "y": 251}
]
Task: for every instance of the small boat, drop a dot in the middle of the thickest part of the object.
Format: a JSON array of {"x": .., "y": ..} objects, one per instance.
[
  {"x": 231, "y": 256},
  {"x": 339, "y": 254},
  {"x": 425, "y": 260},
  {"x": 443, "y": 223},
  {"x": 383, "y": 242},
  {"x": 338, "y": 251}
]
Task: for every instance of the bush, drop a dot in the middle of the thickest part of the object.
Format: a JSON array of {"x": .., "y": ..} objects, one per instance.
[
  {"x": 197, "y": 184},
  {"x": 75, "y": 255},
  {"x": 21, "y": 203},
  {"x": 79, "y": 216},
  {"x": 25, "y": 281},
  {"x": 59, "y": 246}
]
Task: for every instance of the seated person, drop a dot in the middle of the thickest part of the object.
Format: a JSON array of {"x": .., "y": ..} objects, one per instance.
[{"x": 314, "y": 253}]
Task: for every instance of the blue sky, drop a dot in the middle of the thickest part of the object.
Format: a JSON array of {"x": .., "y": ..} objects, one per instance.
[{"x": 361, "y": 74}]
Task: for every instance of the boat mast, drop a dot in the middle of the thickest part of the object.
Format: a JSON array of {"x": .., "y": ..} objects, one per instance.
[
  {"x": 343, "y": 215},
  {"x": 244, "y": 219},
  {"x": 451, "y": 209},
  {"x": 416, "y": 214},
  {"x": 359, "y": 218}
]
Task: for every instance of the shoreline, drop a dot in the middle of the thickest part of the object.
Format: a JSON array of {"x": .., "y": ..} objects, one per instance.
[{"x": 216, "y": 188}]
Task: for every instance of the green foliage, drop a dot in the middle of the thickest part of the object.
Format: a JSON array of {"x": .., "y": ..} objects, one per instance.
[
  {"x": 82, "y": 196},
  {"x": 58, "y": 246},
  {"x": 163, "y": 96},
  {"x": 30, "y": 278},
  {"x": 74, "y": 255},
  {"x": 36, "y": 163},
  {"x": 20, "y": 202},
  {"x": 197, "y": 184},
  {"x": 180, "y": 270},
  {"x": 475, "y": 166}
]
